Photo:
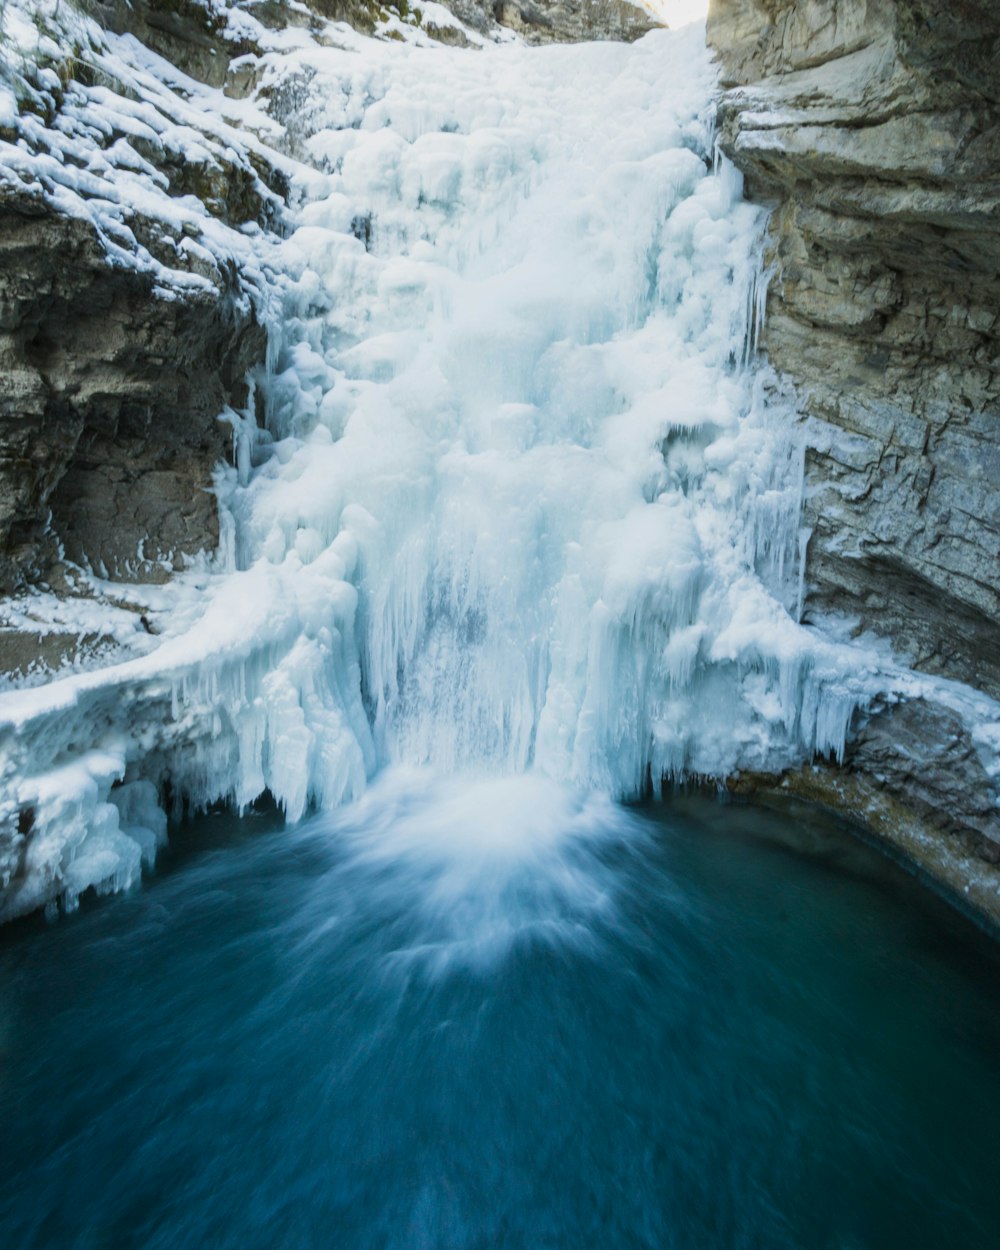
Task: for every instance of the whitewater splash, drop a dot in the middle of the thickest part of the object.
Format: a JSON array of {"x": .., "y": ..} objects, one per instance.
[{"x": 509, "y": 495}]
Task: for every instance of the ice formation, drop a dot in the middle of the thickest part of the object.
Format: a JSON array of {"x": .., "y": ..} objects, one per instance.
[{"x": 522, "y": 499}]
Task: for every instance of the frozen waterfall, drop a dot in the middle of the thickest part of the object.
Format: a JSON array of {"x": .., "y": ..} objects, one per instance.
[
  {"x": 513, "y": 406},
  {"x": 512, "y": 493}
]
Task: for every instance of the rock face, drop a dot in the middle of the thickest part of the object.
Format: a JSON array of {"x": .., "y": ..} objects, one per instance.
[
  {"x": 195, "y": 36},
  {"x": 557, "y": 21},
  {"x": 873, "y": 127},
  {"x": 108, "y": 413},
  {"x": 126, "y": 325}
]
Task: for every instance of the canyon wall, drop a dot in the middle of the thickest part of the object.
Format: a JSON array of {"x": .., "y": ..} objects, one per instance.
[
  {"x": 124, "y": 330},
  {"x": 873, "y": 128},
  {"x": 108, "y": 414}
]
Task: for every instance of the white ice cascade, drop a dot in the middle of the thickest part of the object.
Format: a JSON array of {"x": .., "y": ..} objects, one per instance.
[
  {"x": 523, "y": 499},
  {"x": 515, "y": 399}
]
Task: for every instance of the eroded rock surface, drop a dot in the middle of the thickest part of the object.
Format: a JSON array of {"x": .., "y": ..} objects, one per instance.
[
  {"x": 108, "y": 414},
  {"x": 127, "y": 318},
  {"x": 874, "y": 129},
  {"x": 557, "y": 21},
  {"x": 201, "y": 38}
]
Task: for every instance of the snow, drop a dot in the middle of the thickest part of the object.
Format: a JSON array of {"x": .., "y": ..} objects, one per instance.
[
  {"x": 80, "y": 148},
  {"x": 526, "y": 499}
]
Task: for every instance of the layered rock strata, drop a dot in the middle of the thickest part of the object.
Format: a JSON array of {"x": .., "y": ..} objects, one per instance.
[
  {"x": 108, "y": 413},
  {"x": 874, "y": 131}
]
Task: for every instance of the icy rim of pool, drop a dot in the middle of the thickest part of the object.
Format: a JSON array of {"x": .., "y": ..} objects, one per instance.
[{"x": 525, "y": 498}]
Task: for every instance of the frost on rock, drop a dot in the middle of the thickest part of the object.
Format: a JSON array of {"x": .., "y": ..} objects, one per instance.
[
  {"x": 137, "y": 270},
  {"x": 522, "y": 499},
  {"x": 92, "y": 121}
]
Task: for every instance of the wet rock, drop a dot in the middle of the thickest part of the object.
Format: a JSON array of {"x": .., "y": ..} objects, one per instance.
[{"x": 922, "y": 753}]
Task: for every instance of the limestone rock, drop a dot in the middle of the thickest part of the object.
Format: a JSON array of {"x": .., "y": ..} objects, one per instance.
[
  {"x": 874, "y": 130},
  {"x": 108, "y": 408},
  {"x": 559, "y": 21},
  {"x": 922, "y": 751}
]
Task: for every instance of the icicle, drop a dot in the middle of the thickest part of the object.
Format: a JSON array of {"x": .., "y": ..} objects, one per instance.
[{"x": 805, "y": 533}]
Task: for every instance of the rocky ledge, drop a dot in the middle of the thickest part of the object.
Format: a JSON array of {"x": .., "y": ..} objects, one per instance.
[{"x": 874, "y": 132}]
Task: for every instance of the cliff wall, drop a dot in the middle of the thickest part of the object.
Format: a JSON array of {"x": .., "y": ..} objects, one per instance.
[
  {"x": 128, "y": 316},
  {"x": 873, "y": 128}
]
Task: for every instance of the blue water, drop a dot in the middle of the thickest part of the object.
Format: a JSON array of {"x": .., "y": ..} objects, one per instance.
[{"x": 502, "y": 1016}]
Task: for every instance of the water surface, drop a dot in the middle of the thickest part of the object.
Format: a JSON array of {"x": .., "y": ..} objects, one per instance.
[{"x": 501, "y": 1015}]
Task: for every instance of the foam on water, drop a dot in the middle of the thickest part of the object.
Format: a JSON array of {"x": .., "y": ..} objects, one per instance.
[{"x": 476, "y": 866}]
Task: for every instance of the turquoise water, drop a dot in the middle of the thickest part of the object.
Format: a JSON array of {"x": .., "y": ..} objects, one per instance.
[{"x": 503, "y": 1016}]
